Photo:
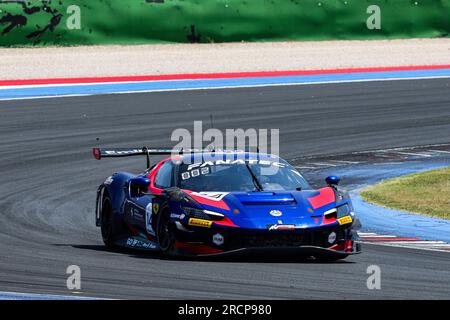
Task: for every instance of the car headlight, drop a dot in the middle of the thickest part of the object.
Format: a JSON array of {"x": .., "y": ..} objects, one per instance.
[
  {"x": 343, "y": 211},
  {"x": 339, "y": 212},
  {"x": 202, "y": 214}
]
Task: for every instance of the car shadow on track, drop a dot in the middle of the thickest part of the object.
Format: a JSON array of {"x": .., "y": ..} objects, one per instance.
[{"x": 229, "y": 258}]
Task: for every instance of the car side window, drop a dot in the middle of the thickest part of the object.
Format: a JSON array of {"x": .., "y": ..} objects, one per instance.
[{"x": 163, "y": 178}]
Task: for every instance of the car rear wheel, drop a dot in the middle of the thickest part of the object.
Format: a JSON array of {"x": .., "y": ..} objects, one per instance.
[{"x": 166, "y": 239}]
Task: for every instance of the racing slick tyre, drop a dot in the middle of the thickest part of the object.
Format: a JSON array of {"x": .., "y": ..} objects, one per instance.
[
  {"x": 108, "y": 224},
  {"x": 164, "y": 233}
]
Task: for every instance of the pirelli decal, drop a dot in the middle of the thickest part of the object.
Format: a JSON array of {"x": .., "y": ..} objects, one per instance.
[
  {"x": 200, "y": 223},
  {"x": 345, "y": 220}
]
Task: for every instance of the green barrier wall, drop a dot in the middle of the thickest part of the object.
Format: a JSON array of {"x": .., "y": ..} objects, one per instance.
[{"x": 76, "y": 22}]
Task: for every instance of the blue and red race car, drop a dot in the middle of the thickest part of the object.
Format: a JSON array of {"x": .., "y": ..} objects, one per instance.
[{"x": 211, "y": 203}]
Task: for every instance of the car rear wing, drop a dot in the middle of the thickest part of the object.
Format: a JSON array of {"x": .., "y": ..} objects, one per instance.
[{"x": 100, "y": 153}]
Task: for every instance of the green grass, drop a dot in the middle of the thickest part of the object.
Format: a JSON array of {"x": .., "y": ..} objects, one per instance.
[{"x": 426, "y": 193}]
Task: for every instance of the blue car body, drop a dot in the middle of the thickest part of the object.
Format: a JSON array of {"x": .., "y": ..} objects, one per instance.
[{"x": 174, "y": 207}]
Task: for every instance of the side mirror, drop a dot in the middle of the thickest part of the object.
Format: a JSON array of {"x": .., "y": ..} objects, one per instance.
[
  {"x": 139, "y": 186},
  {"x": 332, "y": 180}
]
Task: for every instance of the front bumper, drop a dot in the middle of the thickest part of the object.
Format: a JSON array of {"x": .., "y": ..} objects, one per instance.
[
  {"x": 204, "y": 241},
  {"x": 293, "y": 251}
]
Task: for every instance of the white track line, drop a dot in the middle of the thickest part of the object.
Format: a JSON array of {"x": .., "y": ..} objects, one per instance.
[
  {"x": 380, "y": 236},
  {"x": 404, "y": 148},
  {"x": 428, "y": 245},
  {"x": 377, "y": 151},
  {"x": 41, "y": 296},
  {"x": 324, "y": 164},
  {"x": 344, "y": 161},
  {"x": 420, "y": 242},
  {"x": 415, "y": 154},
  {"x": 440, "y": 151},
  {"x": 382, "y": 155},
  {"x": 389, "y": 163},
  {"x": 388, "y": 244}
]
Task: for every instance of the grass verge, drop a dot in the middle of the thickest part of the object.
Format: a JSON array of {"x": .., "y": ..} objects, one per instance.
[{"x": 426, "y": 193}]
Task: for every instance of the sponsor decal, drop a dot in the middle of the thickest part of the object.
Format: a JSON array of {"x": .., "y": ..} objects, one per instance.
[
  {"x": 122, "y": 152},
  {"x": 200, "y": 223},
  {"x": 275, "y": 213},
  {"x": 345, "y": 220},
  {"x": 310, "y": 210},
  {"x": 135, "y": 243},
  {"x": 177, "y": 216},
  {"x": 148, "y": 219},
  {"x": 108, "y": 181},
  {"x": 282, "y": 227},
  {"x": 215, "y": 196},
  {"x": 194, "y": 173},
  {"x": 218, "y": 239},
  {"x": 332, "y": 237}
]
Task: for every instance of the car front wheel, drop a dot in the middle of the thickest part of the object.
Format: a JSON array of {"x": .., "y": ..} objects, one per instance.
[
  {"x": 107, "y": 222},
  {"x": 166, "y": 239}
]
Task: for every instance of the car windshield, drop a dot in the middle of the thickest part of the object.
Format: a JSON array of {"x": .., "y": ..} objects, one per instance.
[{"x": 241, "y": 175}]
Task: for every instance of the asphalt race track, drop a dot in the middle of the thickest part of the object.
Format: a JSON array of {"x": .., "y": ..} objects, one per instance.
[{"x": 49, "y": 178}]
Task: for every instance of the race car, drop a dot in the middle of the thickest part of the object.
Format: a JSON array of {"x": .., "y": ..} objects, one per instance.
[{"x": 202, "y": 202}]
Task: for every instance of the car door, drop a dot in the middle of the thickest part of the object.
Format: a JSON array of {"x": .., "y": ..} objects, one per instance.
[
  {"x": 145, "y": 209},
  {"x": 135, "y": 210},
  {"x": 140, "y": 210}
]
